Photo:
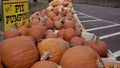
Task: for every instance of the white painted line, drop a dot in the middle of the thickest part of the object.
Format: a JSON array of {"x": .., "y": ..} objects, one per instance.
[
  {"x": 110, "y": 35},
  {"x": 90, "y": 20},
  {"x": 117, "y": 53},
  {"x": 97, "y": 18},
  {"x": 103, "y": 27},
  {"x": 83, "y": 16}
]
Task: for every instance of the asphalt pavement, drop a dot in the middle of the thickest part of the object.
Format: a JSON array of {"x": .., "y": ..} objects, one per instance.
[{"x": 102, "y": 21}]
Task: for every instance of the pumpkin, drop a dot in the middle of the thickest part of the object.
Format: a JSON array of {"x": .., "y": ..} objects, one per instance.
[
  {"x": 52, "y": 49},
  {"x": 56, "y": 11},
  {"x": 10, "y": 33},
  {"x": 99, "y": 46},
  {"x": 54, "y": 4},
  {"x": 60, "y": 33},
  {"x": 58, "y": 25},
  {"x": 23, "y": 30},
  {"x": 69, "y": 33},
  {"x": 43, "y": 12},
  {"x": 68, "y": 1},
  {"x": 77, "y": 41},
  {"x": 57, "y": 18},
  {"x": 78, "y": 29},
  {"x": 50, "y": 34},
  {"x": 51, "y": 14},
  {"x": 43, "y": 19},
  {"x": 70, "y": 15},
  {"x": 45, "y": 64},
  {"x": 37, "y": 31},
  {"x": 1, "y": 66},
  {"x": 19, "y": 52},
  {"x": 33, "y": 22},
  {"x": 50, "y": 24},
  {"x": 81, "y": 57},
  {"x": 112, "y": 65},
  {"x": 64, "y": 12},
  {"x": 69, "y": 24}
]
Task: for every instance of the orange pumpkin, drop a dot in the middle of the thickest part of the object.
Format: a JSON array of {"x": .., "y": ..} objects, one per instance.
[
  {"x": 19, "y": 52},
  {"x": 52, "y": 49},
  {"x": 10, "y": 33},
  {"x": 57, "y": 18},
  {"x": 1, "y": 66},
  {"x": 99, "y": 46},
  {"x": 112, "y": 65},
  {"x": 81, "y": 57},
  {"x": 56, "y": 11},
  {"x": 23, "y": 30},
  {"x": 37, "y": 31},
  {"x": 58, "y": 25},
  {"x": 54, "y": 4},
  {"x": 78, "y": 29},
  {"x": 60, "y": 34},
  {"x": 69, "y": 24},
  {"x": 50, "y": 24},
  {"x": 77, "y": 41},
  {"x": 64, "y": 12},
  {"x": 50, "y": 34},
  {"x": 45, "y": 64},
  {"x": 43, "y": 12},
  {"x": 51, "y": 14},
  {"x": 69, "y": 33}
]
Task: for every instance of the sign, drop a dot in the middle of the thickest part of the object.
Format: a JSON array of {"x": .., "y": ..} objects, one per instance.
[{"x": 15, "y": 12}]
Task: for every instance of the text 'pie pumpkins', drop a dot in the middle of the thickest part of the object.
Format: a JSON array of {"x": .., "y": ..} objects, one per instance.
[
  {"x": 19, "y": 52},
  {"x": 52, "y": 49},
  {"x": 81, "y": 57}
]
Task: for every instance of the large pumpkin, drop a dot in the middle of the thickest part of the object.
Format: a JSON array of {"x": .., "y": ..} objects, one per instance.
[
  {"x": 52, "y": 49},
  {"x": 112, "y": 65},
  {"x": 45, "y": 64},
  {"x": 81, "y": 57},
  {"x": 99, "y": 46},
  {"x": 19, "y": 52},
  {"x": 10, "y": 33},
  {"x": 1, "y": 66}
]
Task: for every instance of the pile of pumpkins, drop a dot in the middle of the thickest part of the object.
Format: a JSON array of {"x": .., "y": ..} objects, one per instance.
[{"x": 52, "y": 39}]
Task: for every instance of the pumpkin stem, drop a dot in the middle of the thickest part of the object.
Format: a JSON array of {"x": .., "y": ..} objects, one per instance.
[
  {"x": 100, "y": 65},
  {"x": 59, "y": 66},
  {"x": 46, "y": 55}
]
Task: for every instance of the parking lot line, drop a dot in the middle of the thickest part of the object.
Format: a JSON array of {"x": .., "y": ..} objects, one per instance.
[
  {"x": 103, "y": 27},
  {"x": 109, "y": 35},
  {"x": 96, "y": 18},
  {"x": 90, "y": 21},
  {"x": 84, "y": 17},
  {"x": 117, "y": 53}
]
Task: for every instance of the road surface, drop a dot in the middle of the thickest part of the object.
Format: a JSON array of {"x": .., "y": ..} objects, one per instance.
[{"x": 102, "y": 21}]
